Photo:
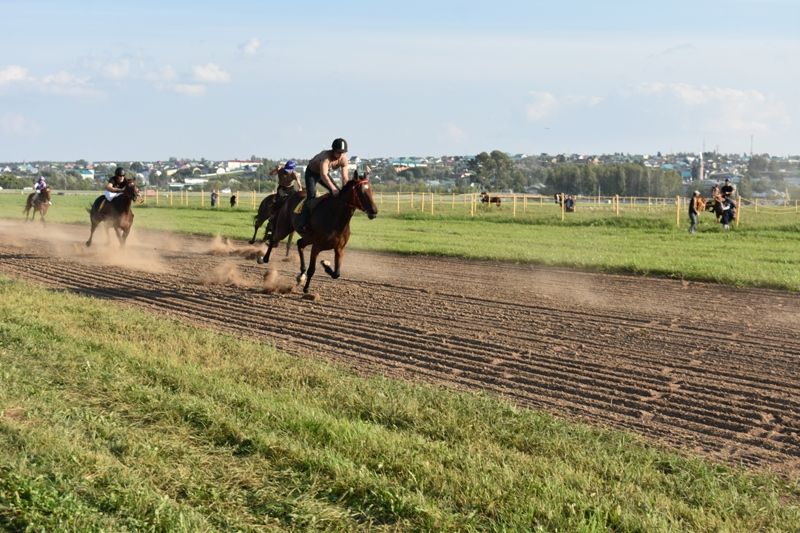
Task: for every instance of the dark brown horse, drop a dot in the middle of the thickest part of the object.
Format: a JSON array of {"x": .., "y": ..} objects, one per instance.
[
  {"x": 39, "y": 203},
  {"x": 328, "y": 226},
  {"x": 116, "y": 212},
  {"x": 486, "y": 199},
  {"x": 265, "y": 210}
]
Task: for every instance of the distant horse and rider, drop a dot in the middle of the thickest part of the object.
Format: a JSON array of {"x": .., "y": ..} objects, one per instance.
[
  {"x": 115, "y": 212},
  {"x": 265, "y": 211},
  {"x": 486, "y": 199},
  {"x": 38, "y": 203},
  {"x": 327, "y": 227}
]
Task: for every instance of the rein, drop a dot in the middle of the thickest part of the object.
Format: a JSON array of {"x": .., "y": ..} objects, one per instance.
[{"x": 356, "y": 201}]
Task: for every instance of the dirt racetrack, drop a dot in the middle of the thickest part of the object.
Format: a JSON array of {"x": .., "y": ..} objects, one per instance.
[{"x": 700, "y": 367}]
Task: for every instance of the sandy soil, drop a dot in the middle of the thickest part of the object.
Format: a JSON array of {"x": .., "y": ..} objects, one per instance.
[{"x": 700, "y": 367}]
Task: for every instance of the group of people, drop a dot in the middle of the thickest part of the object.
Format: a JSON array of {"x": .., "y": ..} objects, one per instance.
[
  {"x": 724, "y": 207},
  {"x": 318, "y": 171},
  {"x": 215, "y": 199}
]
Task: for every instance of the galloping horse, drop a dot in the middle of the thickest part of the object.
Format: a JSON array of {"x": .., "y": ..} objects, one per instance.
[
  {"x": 328, "y": 226},
  {"x": 39, "y": 203},
  {"x": 265, "y": 210},
  {"x": 117, "y": 212}
]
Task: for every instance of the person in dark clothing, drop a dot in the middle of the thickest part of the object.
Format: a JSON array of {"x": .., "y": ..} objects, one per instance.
[
  {"x": 728, "y": 213},
  {"x": 696, "y": 205},
  {"x": 318, "y": 171},
  {"x": 727, "y": 188}
]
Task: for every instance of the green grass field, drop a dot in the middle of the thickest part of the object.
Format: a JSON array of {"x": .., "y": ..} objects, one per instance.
[
  {"x": 118, "y": 421},
  {"x": 764, "y": 251}
]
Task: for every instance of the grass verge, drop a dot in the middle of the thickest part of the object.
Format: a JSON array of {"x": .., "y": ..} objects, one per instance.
[{"x": 114, "y": 419}]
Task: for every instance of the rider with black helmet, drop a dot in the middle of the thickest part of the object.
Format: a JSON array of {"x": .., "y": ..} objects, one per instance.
[
  {"x": 116, "y": 184},
  {"x": 319, "y": 167},
  {"x": 318, "y": 171}
]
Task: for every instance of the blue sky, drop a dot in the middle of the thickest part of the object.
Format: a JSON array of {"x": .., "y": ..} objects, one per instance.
[{"x": 150, "y": 80}]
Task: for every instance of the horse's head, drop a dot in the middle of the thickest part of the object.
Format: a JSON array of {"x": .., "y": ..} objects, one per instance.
[
  {"x": 44, "y": 195},
  {"x": 131, "y": 190},
  {"x": 358, "y": 194}
]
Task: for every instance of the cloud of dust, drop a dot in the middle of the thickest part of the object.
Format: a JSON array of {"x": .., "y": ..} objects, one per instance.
[
  {"x": 68, "y": 242},
  {"x": 228, "y": 274},
  {"x": 224, "y": 247}
]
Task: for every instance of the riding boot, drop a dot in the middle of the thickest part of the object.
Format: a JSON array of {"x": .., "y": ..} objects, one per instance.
[{"x": 302, "y": 219}]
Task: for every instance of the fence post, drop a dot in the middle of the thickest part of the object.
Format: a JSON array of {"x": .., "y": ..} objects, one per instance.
[
  {"x": 432, "y": 201},
  {"x": 398, "y": 202},
  {"x": 514, "y": 206},
  {"x": 472, "y": 205},
  {"x": 561, "y": 199},
  {"x": 170, "y": 197},
  {"x": 422, "y": 203},
  {"x": 453, "y": 205},
  {"x": 738, "y": 209},
  {"x": 678, "y": 211},
  {"x": 756, "y": 204},
  {"x": 616, "y": 204}
]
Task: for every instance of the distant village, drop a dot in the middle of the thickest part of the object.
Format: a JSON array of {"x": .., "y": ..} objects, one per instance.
[{"x": 757, "y": 175}]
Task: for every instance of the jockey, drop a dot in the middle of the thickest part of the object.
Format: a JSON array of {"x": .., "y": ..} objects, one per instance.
[
  {"x": 39, "y": 186},
  {"x": 115, "y": 185},
  {"x": 318, "y": 171},
  {"x": 288, "y": 182}
]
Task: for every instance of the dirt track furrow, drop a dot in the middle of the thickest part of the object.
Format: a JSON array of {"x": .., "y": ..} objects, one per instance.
[{"x": 652, "y": 356}]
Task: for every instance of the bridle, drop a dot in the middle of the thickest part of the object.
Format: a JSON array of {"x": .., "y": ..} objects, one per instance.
[{"x": 357, "y": 199}]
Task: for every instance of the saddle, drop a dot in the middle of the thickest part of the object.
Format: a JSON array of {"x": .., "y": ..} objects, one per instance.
[{"x": 302, "y": 225}]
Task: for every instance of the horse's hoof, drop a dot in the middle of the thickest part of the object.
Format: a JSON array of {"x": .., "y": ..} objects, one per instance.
[
  {"x": 252, "y": 241},
  {"x": 301, "y": 278},
  {"x": 325, "y": 263},
  {"x": 260, "y": 259}
]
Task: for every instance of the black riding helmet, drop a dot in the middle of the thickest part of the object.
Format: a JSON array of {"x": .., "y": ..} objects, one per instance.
[
  {"x": 119, "y": 172},
  {"x": 339, "y": 145}
]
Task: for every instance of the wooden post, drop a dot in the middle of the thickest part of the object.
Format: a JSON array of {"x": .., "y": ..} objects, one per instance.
[
  {"x": 472, "y": 205},
  {"x": 678, "y": 211},
  {"x": 156, "y": 196},
  {"x": 453, "y": 204},
  {"x": 738, "y": 209},
  {"x": 616, "y": 204},
  {"x": 422, "y": 204},
  {"x": 525, "y": 204},
  {"x": 398, "y": 202},
  {"x": 170, "y": 197},
  {"x": 561, "y": 199},
  {"x": 514, "y": 206},
  {"x": 755, "y": 202},
  {"x": 202, "y": 198},
  {"x": 432, "y": 202},
  {"x": 412, "y": 199}
]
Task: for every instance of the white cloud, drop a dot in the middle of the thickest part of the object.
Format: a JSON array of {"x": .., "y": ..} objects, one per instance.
[
  {"x": 14, "y": 73},
  {"x": 16, "y": 124},
  {"x": 191, "y": 89},
  {"x": 542, "y": 105},
  {"x": 210, "y": 73},
  {"x": 722, "y": 108},
  {"x": 164, "y": 74},
  {"x": 118, "y": 70},
  {"x": 251, "y": 47},
  {"x": 65, "y": 83}
]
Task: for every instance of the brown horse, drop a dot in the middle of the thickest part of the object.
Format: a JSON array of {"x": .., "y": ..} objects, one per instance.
[
  {"x": 265, "y": 210},
  {"x": 39, "y": 203},
  {"x": 116, "y": 212},
  {"x": 328, "y": 226},
  {"x": 486, "y": 199}
]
